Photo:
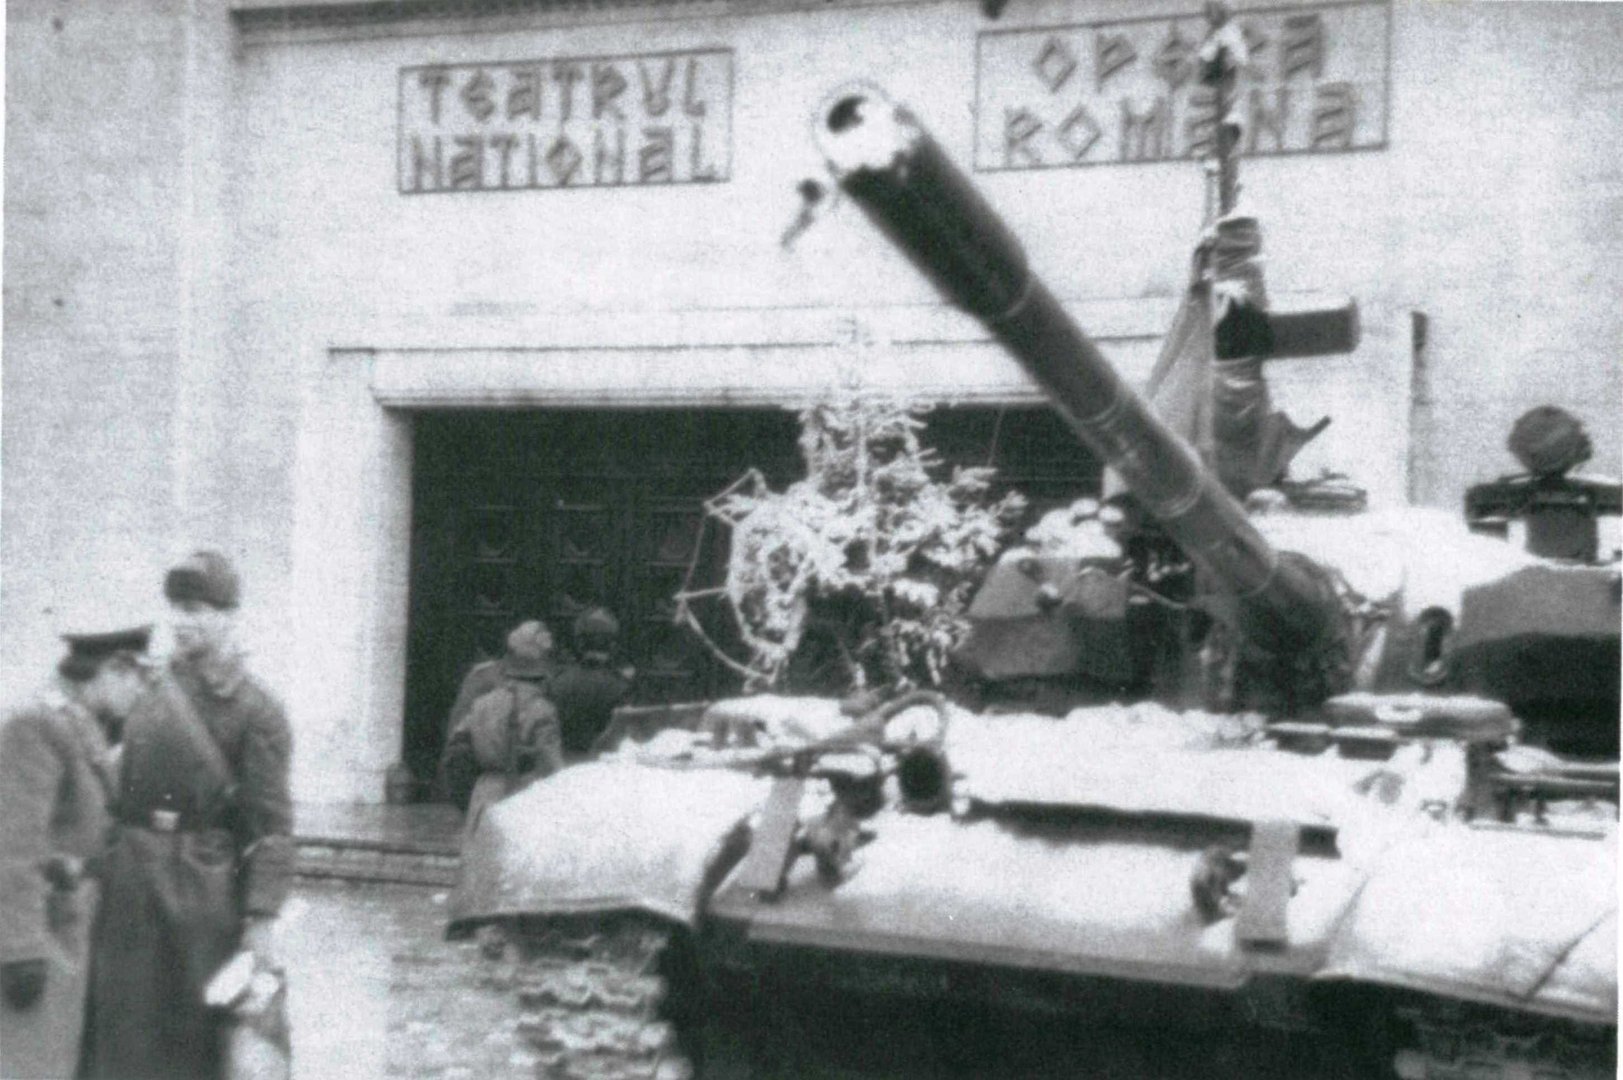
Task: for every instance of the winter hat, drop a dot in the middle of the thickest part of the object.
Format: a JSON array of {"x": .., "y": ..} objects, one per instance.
[
  {"x": 597, "y": 623},
  {"x": 595, "y": 630},
  {"x": 1548, "y": 441},
  {"x": 205, "y": 576}
]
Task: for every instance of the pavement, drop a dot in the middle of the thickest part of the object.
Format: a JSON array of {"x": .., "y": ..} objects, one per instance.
[
  {"x": 375, "y": 991},
  {"x": 422, "y": 826}
]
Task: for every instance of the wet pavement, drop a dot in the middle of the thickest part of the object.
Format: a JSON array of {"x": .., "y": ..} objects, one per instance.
[{"x": 376, "y": 991}]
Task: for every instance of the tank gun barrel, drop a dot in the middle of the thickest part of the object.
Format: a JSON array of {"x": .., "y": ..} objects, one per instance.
[{"x": 891, "y": 167}]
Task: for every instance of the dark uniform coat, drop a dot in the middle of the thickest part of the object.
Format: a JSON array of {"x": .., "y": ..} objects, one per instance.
[
  {"x": 203, "y": 839},
  {"x": 586, "y": 694},
  {"x": 55, "y": 781}
]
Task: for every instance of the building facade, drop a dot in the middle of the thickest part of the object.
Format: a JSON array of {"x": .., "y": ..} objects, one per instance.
[{"x": 436, "y": 315}]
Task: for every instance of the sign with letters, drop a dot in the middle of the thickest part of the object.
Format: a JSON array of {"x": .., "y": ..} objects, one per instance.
[
  {"x": 1128, "y": 90},
  {"x": 603, "y": 121}
]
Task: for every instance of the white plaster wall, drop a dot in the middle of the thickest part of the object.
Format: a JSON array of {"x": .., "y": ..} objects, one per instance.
[
  {"x": 1491, "y": 210},
  {"x": 1506, "y": 205},
  {"x": 95, "y": 163},
  {"x": 350, "y": 562}
]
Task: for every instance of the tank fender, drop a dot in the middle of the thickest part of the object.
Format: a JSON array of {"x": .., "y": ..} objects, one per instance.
[
  {"x": 1522, "y": 919},
  {"x": 603, "y": 837}
]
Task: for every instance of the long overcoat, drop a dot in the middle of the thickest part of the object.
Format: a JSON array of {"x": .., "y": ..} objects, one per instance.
[
  {"x": 457, "y": 773},
  {"x": 202, "y": 839},
  {"x": 55, "y": 781}
]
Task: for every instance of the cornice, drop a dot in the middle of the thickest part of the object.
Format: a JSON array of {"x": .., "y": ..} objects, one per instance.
[{"x": 254, "y": 18}]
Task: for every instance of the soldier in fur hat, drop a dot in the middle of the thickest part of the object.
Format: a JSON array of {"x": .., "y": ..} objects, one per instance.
[
  {"x": 202, "y": 856},
  {"x": 56, "y": 779}
]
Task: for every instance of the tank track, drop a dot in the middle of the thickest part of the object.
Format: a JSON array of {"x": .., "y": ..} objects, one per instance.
[
  {"x": 1466, "y": 1043},
  {"x": 592, "y": 996}
]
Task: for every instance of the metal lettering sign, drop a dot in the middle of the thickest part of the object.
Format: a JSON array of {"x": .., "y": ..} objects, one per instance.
[
  {"x": 1128, "y": 90},
  {"x": 659, "y": 118}
]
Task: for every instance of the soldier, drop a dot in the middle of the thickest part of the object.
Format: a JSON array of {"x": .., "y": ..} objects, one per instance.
[
  {"x": 202, "y": 857},
  {"x": 530, "y": 655},
  {"x": 587, "y": 691},
  {"x": 56, "y": 777},
  {"x": 529, "y": 663}
]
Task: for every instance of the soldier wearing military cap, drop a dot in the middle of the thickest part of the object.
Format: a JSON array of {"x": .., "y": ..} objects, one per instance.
[
  {"x": 202, "y": 856},
  {"x": 56, "y": 780}
]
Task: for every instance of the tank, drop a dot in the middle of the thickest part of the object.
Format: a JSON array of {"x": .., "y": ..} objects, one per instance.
[{"x": 1356, "y": 860}]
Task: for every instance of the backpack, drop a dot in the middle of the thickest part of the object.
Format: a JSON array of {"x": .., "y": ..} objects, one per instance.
[{"x": 513, "y": 728}]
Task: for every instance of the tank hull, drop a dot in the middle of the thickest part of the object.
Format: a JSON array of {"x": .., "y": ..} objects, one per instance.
[{"x": 1532, "y": 927}]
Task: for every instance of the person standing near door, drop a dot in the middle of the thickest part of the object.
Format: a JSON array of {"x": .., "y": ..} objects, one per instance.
[
  {"x": 56, "y": 780},
  {"x": 587, "y": 691},
  {"x": 503, "y": 728},
  {"x": 202, "y": 855},
  {"x": 531, "y": 654},
  {"x": 526, "y": 668}
]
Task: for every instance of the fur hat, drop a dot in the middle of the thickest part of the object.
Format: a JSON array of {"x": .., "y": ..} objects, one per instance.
[{"x": 205, "y": 576}]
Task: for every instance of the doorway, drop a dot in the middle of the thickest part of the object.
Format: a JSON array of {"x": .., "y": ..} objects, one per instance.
[{"x": 542, "y": 514}]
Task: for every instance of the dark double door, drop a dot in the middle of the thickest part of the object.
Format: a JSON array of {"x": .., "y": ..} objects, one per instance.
[{"x": 522, "y": 515}]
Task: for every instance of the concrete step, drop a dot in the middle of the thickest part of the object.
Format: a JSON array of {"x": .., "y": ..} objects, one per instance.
[
  {"x": 414, "y": 845},
  {"x": 361, "y": 860}
]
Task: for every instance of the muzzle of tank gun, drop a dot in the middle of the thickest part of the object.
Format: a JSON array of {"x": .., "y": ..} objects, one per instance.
[{"x": 890, "y": 166}]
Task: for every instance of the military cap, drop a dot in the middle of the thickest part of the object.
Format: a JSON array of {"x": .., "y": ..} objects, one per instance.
[
  {"x": 89, "y": 646},
  {"x": 101, "y": 643},
  {"x": 204, "y": 576}
]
